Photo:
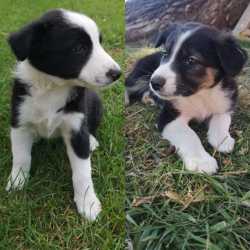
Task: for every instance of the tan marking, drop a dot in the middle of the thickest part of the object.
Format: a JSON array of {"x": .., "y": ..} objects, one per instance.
[{"x": 209, "y": 78}]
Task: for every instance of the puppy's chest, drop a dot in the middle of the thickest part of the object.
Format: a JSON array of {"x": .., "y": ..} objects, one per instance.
[
  {"x": 204, "y": 104},
  {"x": 42, "y": 113}
]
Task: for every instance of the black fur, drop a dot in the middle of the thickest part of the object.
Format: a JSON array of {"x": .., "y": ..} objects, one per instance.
[
  {"x": 19, "y": 92},
  {"x": 142, "y": 72},
  {"x": 204, "y": 45},
  {"x": 167, "y": 115},
  {"x": 213, "y": 49},
  {"x": 170, "y": 35},
  {"x": 80, "y": 142},
  {"x": 87, "y": 102},
  {"x": 230, "y": 87},
  {"x": 52, "y": 45},
  {"x": 232, "y": 57}
]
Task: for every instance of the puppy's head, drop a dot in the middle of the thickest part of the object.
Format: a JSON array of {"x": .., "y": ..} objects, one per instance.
[
  {"x": 195, "y": 57},
  {"x": 67, "y": 45}
]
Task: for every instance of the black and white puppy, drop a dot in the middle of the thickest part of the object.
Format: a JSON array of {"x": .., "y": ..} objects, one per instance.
[
  {"x": 58, "y": 56},
  {"x": 193, "y": 78}
]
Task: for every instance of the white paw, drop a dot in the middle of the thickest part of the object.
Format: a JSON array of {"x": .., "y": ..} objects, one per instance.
[
  {"x": 94, "y": 144},
  {"x": 17, "y": 181},
  {"x": 88, "y": 205},
  {"x": 225, "y": 145},
  {"x": 205, "y": 164}
]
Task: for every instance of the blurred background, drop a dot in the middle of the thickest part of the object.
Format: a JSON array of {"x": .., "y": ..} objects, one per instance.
[{"x": 145, "y": 18}]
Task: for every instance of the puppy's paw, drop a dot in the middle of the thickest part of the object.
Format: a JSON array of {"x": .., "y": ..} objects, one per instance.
[
  {"x": 94, "y": 144},
  {"x": 147, "y": 99},
  {"x": 88, "y": 205},
  {"x": 16, "y": 181},
  {"x": 224, "y": 145},
  {"x": 205, "y": 164}
]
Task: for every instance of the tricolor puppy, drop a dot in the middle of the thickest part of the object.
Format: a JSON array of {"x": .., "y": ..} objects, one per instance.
[
  {"x": 193, "y": 78},
  {"x": 58, "y": 56}
]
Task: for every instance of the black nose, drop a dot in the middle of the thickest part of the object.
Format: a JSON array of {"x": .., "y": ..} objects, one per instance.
[
  {"x": 157, "y": 82},
  {"x": 113, "y": 74}
]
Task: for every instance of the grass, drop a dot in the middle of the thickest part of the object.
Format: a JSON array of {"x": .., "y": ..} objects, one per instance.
[
  {"x": 43, "y": 215},
  {"x": 170, "y": 208}
]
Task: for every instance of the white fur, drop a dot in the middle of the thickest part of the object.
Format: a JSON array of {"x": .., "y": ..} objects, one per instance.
[
  {"x": 212, "y": 102},
  {"x": 203, "y": 104},
  {"x": 38, "y": 79},
  {"x": 189, "y": 147},
  {"x": 72, "y": 121},
  {"x": 165, "y": 70},
  {"x": 39, "y": 110},
  {"x": 40, "y": 116},
  {"x": 100, "y": 62},
  {"x": 22, "y": 140},
  {"x": 84, "y": 195},
  {"x": 218, "y": 133},
  {"x": 94, "y": 144}
]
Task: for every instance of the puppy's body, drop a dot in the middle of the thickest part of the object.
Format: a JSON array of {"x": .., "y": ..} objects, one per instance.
[
  {"x": 192, "y": 79},
  {"x": 43, "y": 106},
  {"x": 59, "y": 55}
]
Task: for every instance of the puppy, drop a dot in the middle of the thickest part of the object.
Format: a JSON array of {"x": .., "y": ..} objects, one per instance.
[
  {"x": 58, "y": 56},
  {"x": 191, "y": 79}
]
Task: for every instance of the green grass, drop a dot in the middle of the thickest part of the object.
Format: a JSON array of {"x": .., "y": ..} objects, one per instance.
[
  {"x": 43, "y": 215},
  {"x": 170, "y": 208}
]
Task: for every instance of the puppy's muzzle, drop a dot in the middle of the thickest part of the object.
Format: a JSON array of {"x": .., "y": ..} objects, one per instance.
[
  {"x": 157, "y": 83},
  {"x": 113, "y": 74}
]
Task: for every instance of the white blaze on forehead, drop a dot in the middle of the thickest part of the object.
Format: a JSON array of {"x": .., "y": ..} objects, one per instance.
[
  {"x": 82, "y": 21},
  {"x": 165, "y": 70},
  {"x": 183, "y": 37}
]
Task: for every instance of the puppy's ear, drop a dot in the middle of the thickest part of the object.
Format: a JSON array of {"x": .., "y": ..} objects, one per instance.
[
  {"x": 20, "y": 41},
  {"x": 232, "y": 57},
  {"x": 163, "y": 36},
  {"x": 173, "y": 30}
]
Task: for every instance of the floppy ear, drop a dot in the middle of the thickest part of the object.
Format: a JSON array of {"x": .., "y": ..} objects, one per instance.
[
  {"x": 163, "y": 36},
  {"x": 20, "y": 41},
  {"x": 232, "y": 57}
]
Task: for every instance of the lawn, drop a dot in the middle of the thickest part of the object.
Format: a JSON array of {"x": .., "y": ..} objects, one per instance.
[
  {"x": 170, "y": 208},
  {"x": 43, "y": 215}
]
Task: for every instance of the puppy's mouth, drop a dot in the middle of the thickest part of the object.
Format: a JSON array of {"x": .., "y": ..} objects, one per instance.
[
  {"x": 160, "y": 95},
  {"x": 96, "y": 84},
  {"x": 104, "y": 83},
  {"x": 111, "y": 78}
]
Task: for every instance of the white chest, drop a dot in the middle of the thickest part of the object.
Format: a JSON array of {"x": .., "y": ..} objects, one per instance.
[
  {"x": 204, "y": 104},
  {"x": 41, "y": 112}
]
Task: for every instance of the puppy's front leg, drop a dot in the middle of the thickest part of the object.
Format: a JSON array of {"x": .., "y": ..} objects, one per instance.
[
  {"x": 77, "y": 140},
  {"x": 21, "y": 144},
  {"x": 189, "y": 146},
  {"x": 218, "y": 133}
]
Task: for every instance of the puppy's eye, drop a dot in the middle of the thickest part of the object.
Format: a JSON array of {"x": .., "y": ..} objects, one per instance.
[
  {"x": 191, "y": 60},
  {"x": 80, "y": 48}
]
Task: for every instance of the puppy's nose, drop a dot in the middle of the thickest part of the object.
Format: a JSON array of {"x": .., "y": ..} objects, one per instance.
[
  {"x": 157, "y": 82},
  {"x": 113, "y": 74}
]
